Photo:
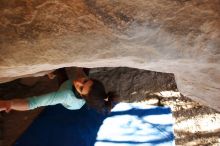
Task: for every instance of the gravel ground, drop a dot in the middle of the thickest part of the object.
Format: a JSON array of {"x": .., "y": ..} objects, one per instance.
[{"x": 195, "y": 124}]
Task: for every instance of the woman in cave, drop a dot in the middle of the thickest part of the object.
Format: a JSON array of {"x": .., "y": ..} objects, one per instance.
[{"x": 71, "y": 94}]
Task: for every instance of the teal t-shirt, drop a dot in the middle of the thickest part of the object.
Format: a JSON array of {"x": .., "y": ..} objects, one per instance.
[{"x": 64, "y": 96}]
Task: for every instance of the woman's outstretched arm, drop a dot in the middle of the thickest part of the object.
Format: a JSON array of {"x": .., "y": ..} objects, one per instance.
[
  {"x": 14, "y": 104},
  {"x": 59, "y": 97}
]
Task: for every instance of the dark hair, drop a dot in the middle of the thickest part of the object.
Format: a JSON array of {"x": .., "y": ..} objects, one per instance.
[{"x": 98, "y": 99}]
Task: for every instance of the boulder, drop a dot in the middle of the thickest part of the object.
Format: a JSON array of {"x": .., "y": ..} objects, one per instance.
[{"x": 172, "y": 36}]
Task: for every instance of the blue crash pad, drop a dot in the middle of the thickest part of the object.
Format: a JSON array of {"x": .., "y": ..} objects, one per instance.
[{"x": 129, "y": 124}]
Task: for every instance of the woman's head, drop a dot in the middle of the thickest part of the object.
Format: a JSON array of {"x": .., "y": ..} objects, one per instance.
[
  {"x": 93, "y": 91},
  {"x": 83, "y": 85}
]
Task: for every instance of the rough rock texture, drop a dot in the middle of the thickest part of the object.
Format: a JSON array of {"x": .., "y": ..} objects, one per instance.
[{"x": 175, "y": 36}]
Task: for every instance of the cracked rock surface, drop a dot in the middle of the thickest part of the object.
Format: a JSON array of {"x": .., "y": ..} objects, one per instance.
[{"x": 172, "y": 36}]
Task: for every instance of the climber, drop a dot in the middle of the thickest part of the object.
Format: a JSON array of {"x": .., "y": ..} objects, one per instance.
[{"x": 71, "y": 94}]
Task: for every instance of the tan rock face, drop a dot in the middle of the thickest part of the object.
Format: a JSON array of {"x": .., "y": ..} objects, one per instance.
[{"x": 176, "y": 36}]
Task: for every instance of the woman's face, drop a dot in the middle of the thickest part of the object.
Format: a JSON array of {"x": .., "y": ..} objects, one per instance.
[{"x": 83, "y": 85}]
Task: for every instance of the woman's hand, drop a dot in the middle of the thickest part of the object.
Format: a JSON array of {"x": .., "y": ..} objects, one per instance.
[
  {"x": 51, "y": 75},
  {"x": 5, "y": 106},
  {"x": 80, "y": 73}
]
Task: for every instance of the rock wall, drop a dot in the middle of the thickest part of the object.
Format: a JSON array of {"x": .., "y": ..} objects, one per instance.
[{"x": 175, "y": 36}]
